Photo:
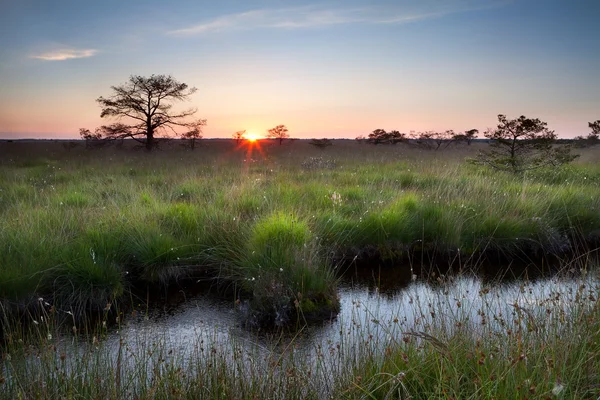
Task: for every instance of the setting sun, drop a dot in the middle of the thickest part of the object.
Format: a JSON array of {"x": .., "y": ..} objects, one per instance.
[{"x": 252, "y": 137}]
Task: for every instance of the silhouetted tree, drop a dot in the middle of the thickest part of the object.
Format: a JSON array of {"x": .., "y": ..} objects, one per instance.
[
  {"x": 523, "y": 144},
  {"x": 466, "y": 137},
  {"x": 594, "y": 136},
  {"x": 433, "y": 140},
  {"x": 595, "y": 127},
  {"x": 194, "y": 134},
  {"x": 91, "y": 139},
  {"x": 396, "y": 137},
  {"x": 146, "y": 106},
  {"x": 380, "y": 136},
  {"x": 280, "y": 132},
  {"x": 239, "y": 135},
  {"x": 86, "y": 134}
]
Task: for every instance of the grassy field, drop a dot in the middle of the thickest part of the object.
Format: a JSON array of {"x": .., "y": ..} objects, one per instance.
[{"x": 82, "y": 228}]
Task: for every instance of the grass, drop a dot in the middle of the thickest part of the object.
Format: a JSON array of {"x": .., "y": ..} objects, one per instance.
[{"x": 81, "y": 227}]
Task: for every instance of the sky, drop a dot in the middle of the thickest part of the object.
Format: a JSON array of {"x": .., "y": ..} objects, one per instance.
[{"x": 337, "y": 68}]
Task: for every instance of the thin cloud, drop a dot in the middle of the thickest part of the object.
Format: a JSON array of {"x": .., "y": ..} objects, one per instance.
[
  {"x": 65, "y": 54},
  {"x": 309, "y": 17}
]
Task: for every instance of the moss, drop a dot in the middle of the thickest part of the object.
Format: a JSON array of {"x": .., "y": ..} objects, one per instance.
[{"x": 308, "y": 306}]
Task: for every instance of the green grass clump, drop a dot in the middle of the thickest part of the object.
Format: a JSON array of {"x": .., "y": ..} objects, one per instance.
[
  {"x": 89, "y": 283},
  {"x": 73, "y": 199},
  {"x": 282, "y": 267},
  {"x": 183, "y": 219},
  {"x": 278, "y": 232}
]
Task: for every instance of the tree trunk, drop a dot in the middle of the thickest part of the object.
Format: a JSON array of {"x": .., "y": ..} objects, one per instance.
[
  {"x": 149, "y": 141},
  {"x": 149, "y": 135}
]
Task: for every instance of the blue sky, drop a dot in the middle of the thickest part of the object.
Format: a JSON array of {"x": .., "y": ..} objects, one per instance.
[{"x": 324, "y": 69}]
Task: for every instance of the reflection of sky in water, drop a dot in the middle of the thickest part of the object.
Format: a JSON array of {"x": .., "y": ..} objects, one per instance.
[
  {"x": 368, "y": 322},
  {"x": 206, "y": 322}
]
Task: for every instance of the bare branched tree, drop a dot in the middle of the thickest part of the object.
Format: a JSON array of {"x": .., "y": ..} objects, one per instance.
[
  {"x": 143, "y": 108},
  {"x": 239, "y": 135},
  {"x": 194, "y": 134},
  {"x": 280, "y": 132},
  {"x": 433, "y": 140}
]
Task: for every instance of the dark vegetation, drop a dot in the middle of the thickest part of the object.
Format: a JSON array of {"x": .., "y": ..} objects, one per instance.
[{"x": 321, "y": 143}]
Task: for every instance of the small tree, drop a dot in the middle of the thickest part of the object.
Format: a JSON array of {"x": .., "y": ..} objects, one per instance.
[
  {"x": 377, "y": 136},
  {"x": 194, "y": 134},
  {"x": 433, "y": 140},
  {"x": 87, "y": 135},
  {"x": 466, "y": 137},
  {"x": 381, "y": 136},
  {"x": 91, "y": 139},
  {"x": 146, "y": 106},
  {"x": 280, "y": 132},
  {"x": 396, "y": 137},
  {"x": 523, "y": 144},
  {"x": 595, "y": 127},
  {"x": 594, "y": 136},
  {"x": 238, "y": 136}
]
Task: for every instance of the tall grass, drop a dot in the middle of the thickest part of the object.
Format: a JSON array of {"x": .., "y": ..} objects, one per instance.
[{"x": 81, "y": 226}]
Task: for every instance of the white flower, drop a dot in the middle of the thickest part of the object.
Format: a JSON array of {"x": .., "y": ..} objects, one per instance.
[{"x": 49, "y": 336}]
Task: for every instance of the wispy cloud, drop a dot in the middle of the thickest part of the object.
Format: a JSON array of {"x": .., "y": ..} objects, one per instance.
[
  {"x": 313, "y": 16},
  {"x": 65, "y": 54}
]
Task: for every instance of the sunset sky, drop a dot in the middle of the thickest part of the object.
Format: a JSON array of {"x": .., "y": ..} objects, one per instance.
[{"x": 322, "y": 68}]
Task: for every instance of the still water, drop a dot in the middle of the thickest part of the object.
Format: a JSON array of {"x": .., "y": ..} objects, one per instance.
[
  {"x": 204, "y": 331},
  {"x": 369, "y": 316}
]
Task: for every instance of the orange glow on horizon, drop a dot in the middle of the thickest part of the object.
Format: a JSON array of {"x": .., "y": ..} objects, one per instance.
[{"x": 252, "y": 137}]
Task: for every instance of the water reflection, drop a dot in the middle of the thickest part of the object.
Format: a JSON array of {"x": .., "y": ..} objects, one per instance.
[{"x": 369, "y": 315}]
